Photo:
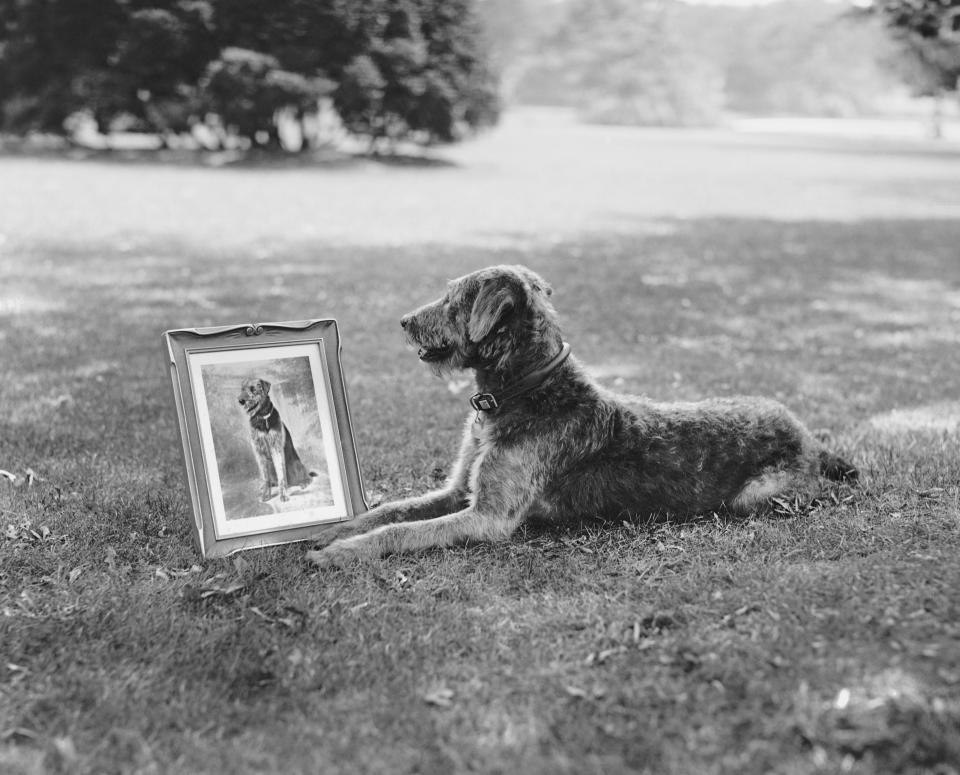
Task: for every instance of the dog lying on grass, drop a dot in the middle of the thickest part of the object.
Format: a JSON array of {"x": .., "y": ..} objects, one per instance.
[{"x": 545, "y": 441}]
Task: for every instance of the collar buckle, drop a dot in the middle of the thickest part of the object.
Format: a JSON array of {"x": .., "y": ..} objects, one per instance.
[{"x": 484, "y": 402}]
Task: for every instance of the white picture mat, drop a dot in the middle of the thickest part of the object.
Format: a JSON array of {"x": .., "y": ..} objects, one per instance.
[{"x": 225, "y": 528}]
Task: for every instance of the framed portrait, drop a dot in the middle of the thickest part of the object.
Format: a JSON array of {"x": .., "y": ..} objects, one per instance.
[{"x": 266, "y": 431}]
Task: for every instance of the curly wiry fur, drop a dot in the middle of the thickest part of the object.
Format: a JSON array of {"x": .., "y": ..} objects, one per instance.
[{"x": 568, "y": 448}]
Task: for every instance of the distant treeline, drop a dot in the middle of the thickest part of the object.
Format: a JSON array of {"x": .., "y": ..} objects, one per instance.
[
  {"x": 667, "y": 62},
  {"x": 392, "y": 69}
]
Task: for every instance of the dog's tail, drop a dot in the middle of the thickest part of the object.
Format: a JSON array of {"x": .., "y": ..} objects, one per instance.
[{"x": 835, "y": 467}]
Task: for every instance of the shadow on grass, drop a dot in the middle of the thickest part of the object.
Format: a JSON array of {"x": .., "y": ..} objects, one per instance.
[
  {"x": 703, "y": 645},
  {"x": 253, "y": 159}
]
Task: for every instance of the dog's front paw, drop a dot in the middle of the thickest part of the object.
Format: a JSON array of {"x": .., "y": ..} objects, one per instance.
[
  {"x": 339, "y": 554},
  {"x": 264, "y": 492}
]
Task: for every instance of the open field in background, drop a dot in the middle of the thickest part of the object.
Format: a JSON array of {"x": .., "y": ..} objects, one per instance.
[{"x": 823, "y": 271}]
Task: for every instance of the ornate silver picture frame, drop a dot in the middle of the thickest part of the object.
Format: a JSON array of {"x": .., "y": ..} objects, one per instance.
[{"x": 266, "y": 431}]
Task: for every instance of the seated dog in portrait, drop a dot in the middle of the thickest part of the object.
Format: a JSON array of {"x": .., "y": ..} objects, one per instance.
[
  {"x": 543, "y": 440},
  {"x": 277, "y": 458}
]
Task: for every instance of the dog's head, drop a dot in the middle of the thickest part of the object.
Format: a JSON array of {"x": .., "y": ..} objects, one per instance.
[
  {"x": 253, "y": 394},
  {"x": 486, "y": 320}
]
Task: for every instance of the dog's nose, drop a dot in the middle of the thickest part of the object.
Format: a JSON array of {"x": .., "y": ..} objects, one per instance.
[{"x": 404, "y": 321}]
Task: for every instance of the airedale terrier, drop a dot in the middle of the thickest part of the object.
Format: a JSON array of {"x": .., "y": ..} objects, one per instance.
[
  {"x": 280, "y": 465},
  {"x": 545, "y": 441}
]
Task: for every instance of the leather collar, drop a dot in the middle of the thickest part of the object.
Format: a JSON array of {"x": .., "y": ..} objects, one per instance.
[
  {"x": 265, "y": 418},
  {"x": 487, "y": 402}
]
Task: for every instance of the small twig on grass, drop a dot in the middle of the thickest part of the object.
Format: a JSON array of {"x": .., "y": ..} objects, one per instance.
[
  {"x": 28, "y": 478},
  {"x": 19, "y": 732},
  {"x": 441, "y": 697}
]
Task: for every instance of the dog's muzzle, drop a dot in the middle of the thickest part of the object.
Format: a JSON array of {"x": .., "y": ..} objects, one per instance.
[
  {"x": 432, "y": 354},
  {"x": 424, "y": 352}
]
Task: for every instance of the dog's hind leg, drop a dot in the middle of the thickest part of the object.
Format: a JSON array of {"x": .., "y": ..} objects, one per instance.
[
  {"x": 835, "y": 467},
  {"x": 759, "y": 491}
]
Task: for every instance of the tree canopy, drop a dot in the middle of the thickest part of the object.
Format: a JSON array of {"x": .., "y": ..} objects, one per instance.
[
  {"x": 929, "y": 32},
  {"x": 398, "y": 69},
  {"x": 667, "y": 62}
]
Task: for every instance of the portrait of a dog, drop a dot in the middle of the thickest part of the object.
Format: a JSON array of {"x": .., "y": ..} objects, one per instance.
[
  {"x": 267, "y": 436},
  {"x": 277, "y": 459}
]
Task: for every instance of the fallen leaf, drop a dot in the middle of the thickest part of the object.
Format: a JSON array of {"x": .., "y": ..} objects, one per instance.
[
  {"x": 65, "y": 753},
  {"x": 599, "y": 657},
  {"x": 296, "y": 657},
  {"x": 842, "y": 700},
  {"x": 227, "y": 590},
  {"x": 442, "y": 697},
  {"x": 949, "y": 676},
  {"x": 75, "y": 574}
]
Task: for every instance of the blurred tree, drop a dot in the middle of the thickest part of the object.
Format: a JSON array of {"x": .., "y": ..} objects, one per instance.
[
  {"x": 804, "y": 58},
  {"x": 515, "y": 29},
  {"x": 664, "y": 61},
  {"x": 622, "y": 61},
  {"x": 421, "y": 72},
  {"x": 246, "y": 89},
  {"x": 48, "y": 68},
  {"x": 397, "y": 69},
  {"x": 154, "y": 67},
  {"x": 930, "y": 19},
  {"x": 928, "y": 32}
]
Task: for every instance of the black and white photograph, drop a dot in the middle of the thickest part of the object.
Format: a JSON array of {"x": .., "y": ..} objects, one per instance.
[
  {"x": 263, "y": 425},
  {"x": 266, "y": 432},
  {"x": 468, "y": 387}
]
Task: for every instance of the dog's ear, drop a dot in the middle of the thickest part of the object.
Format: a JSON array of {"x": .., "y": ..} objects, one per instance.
[
  {"x": 538, "y": 283},
  {"x": 534, "y": 281},
  {"x": 497, "y": 297},
  {"x": 264, "y": 386}
]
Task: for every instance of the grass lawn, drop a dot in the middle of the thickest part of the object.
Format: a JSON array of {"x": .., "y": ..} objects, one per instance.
[{"x": 822, "y": 640}]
